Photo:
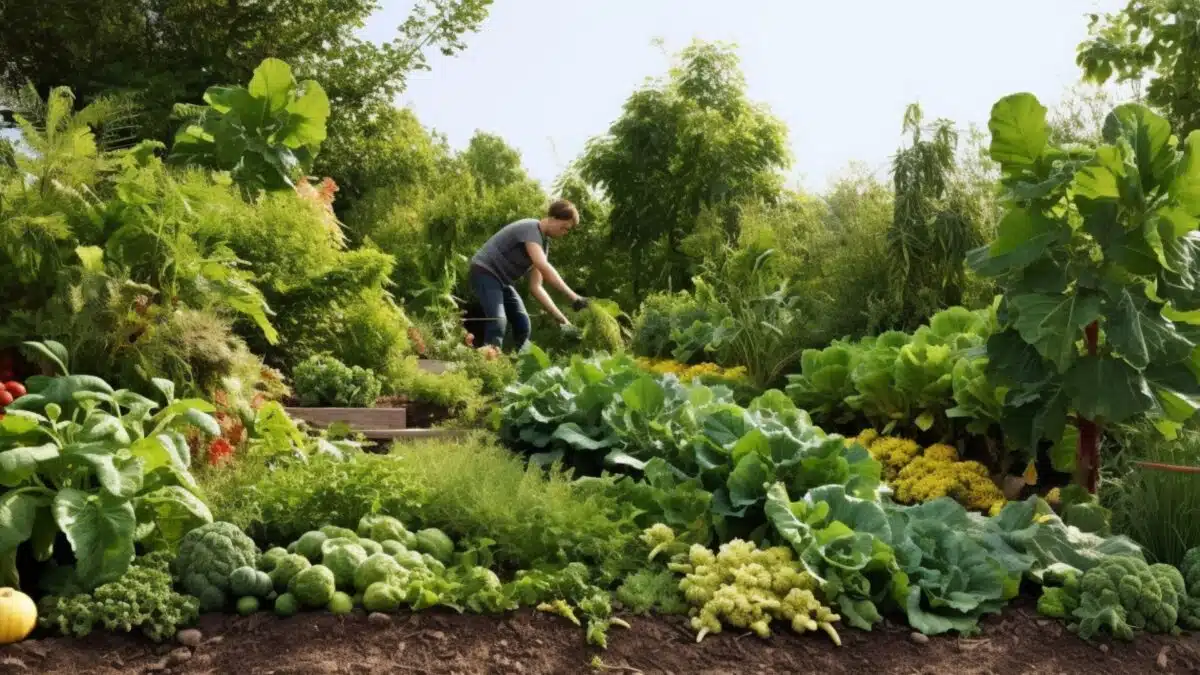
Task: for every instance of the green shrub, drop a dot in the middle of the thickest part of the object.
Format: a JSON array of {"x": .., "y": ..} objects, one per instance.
[
  {"x": 323, "y": 380},
  {"x": 456, "y": 391},
  {"x": 494, "y": 374},
  {"x": 666, "y": 319},
  {"x": 471, "y": 489},
  {"x": 343, "y": 310}
]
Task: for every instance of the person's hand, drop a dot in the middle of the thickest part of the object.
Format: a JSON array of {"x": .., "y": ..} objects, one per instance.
[{"x": 580, "y": 302}]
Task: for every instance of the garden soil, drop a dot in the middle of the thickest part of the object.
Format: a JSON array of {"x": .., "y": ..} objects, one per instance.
[{"x": 532, "y": 643}]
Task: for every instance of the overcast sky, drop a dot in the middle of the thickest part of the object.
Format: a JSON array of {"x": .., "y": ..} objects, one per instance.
[{"x": 549, "y": 74}]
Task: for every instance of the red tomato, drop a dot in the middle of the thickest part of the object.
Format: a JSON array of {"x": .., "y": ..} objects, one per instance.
[
  {"x": 15, "y": 388},
  {"x": 5, "y": 397}
]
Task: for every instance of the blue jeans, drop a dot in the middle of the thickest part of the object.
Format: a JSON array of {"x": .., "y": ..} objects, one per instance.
[{"x": 502, "y": 305}]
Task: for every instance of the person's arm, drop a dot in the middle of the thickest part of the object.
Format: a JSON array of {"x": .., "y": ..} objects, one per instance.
[
  {"x": 538, "y": 291},
  {"x": 542, "y": 269}
]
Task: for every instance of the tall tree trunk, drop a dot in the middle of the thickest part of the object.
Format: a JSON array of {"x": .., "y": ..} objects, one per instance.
[{"x": 1087, "y": 455}]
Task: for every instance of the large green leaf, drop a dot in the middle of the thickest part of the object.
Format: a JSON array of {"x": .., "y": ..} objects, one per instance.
[
  {"x": 272, "y": 86},
  {"x": 306, "y": 118},
  {"x": 175, "y": 511},
  {"x": 1177, "y": 388},
  {"x": 18, "y": 511},
  {"x": 753, "y": 443},
  {"x": 1054, "y": 323},
  {"x": 572, "y": 434},
  {"x": 120, "y": 476},
  {"x": 1019, "y": 132},
  {"x": 1149, "y": 136},
  {"x": 1138, "y": 331},
  {"x": 100, "y": 530},
  {"x": 1107, "y": 389},
  {"x": 644, "y": 396},
  {"x": 1014, "y": 360},
  {"x": 1100, "y": 179},
  {"x": 1042, "y": 416},
  {"x": 229, "y": 99},
  {"x": 1180, "y": 280},
  {"x": 1185, "y": 187},
  {"x": 1023, "y": 237},
  {"x": 747, "y": 481},
  {"x": 52, "y": 350},
  {"x": 19, "y": 464}
]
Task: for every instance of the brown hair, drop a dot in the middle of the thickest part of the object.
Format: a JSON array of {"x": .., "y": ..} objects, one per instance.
[{"x": 561, "y": 209}]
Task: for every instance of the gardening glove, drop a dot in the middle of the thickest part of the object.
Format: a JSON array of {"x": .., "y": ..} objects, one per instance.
[{"x": 580, "y": 303}]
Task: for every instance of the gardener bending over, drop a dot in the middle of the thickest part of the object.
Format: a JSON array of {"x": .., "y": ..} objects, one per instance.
[{"x": 519, "y": 248}]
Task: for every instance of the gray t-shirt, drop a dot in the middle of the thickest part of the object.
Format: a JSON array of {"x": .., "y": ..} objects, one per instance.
[{"x": 504, "y": 255}]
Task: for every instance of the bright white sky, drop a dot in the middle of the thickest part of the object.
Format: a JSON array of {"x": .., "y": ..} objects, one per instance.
[{"x": 547, "y": 75}]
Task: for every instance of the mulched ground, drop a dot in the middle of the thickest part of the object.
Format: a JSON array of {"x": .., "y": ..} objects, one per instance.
[{"x": 532, "y": 643}]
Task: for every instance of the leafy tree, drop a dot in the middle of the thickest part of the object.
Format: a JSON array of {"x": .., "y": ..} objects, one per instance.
[
  {"x": 1155, "y": 38},
  {"x": 398, "y": 160},
  {"x": 165, "y": 51},
  {"x": 682, "y": 145},
  {"x": 1099, "y": 257},
  {"x": 493, "y": 162},
  {"x": 933, "y": 224}
]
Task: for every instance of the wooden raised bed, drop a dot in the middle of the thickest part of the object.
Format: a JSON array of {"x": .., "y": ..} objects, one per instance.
[
  {"x": 356, "y": 418},
  {"x": 384, "y": 423}
]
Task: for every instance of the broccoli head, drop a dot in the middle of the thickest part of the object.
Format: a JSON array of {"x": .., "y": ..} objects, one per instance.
[
  {"x": 1190, "y": 569},
  {"x": 207, "y": 557},
  {"x": 1125, "y": 594}
]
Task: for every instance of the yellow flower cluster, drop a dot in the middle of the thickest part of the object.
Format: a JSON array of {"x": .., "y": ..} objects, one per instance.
[
  {"x": 686, "y": 373},
  {"x": 918, "y": 476},
  {"x": 893, "y": 453}
]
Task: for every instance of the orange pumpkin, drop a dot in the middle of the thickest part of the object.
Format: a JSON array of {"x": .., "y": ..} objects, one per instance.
[{"x": 18, "y": 615}]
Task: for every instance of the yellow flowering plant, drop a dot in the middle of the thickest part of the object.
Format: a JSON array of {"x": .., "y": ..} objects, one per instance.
[
  {"x": 707, "y": 372},
  {"x": 919, "y": 475}
]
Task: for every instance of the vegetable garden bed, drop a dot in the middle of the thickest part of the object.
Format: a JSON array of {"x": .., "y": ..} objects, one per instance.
[{"x": 531, "y": 642}]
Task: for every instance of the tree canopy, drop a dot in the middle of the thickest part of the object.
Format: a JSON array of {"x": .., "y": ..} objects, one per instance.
[{"x": 681, "y": 145}]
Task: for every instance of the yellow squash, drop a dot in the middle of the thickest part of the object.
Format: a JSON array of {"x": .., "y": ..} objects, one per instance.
[{"x": 18, "y": 615}]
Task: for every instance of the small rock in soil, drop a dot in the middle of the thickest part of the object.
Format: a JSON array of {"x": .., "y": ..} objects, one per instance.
[
  {"x": 437, "y": 635},
  {"x": 1104, "y": 648},
  {"x": 178, "y": 656},
  {"x": 155, "y": 667},
  {"x": 379, "y": 618},
  {"x": 919, "y": 638},
  {"x": 189, "y": 637},
  {"x": 1162, "y": 658},
  {"x": 215, "y": 640}
]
